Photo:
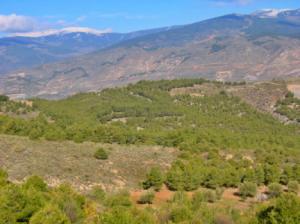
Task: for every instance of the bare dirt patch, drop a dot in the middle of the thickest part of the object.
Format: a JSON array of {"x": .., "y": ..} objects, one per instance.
[
  {"x": 262, "y": 96},
  {"x": 205, "y": 89},
  {"x": 229, "y": 197},
  {"x": 294, "y": 88}
]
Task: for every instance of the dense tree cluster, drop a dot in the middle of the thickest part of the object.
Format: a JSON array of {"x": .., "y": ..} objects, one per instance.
[
  {"x": 191, "y": 171},
  {"x": 33, "y": 202},
  {"x": 145, "y": 113}
]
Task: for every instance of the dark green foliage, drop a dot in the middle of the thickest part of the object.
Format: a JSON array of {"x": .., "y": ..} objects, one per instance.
[
  {"x": 209, "y": 196},
  {"x": 125, "y": 216},
  {"x": 69, "y": 202},
  {"x": 272, "y": 173},
  {"x": 180, "y": 214},
  {"x": 50, "y": 214},
  {"x": 33, "y": 203},
  {"x": 18, "y": 205},
  {"x": 101, "y": 154},
  {"x": 184, "y": 176},
  {"x": 154, "y": 179},
  {"x": 289, "y": 95},
  {"x": 247, "y": 189},
  {"x": 275, "y": 190},
  {"x": 145, "y": 113},
  {"x": 36, "y": 183},
  {"x": 286, "y": 210},
  {"x": 3, "y": 98}
]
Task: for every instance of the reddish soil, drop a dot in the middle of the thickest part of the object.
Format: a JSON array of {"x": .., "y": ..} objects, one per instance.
[{"x": 229, "y": 196}]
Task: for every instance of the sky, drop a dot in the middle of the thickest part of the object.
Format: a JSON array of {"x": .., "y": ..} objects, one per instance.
[{"x": 19, "y": 16}]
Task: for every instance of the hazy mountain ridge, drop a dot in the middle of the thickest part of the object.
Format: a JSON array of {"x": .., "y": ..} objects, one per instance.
[
  {"x": 35, "y": 49},
  {"x": 231, "y": 47}
]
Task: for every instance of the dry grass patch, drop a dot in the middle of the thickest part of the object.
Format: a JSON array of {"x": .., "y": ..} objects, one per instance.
[{"x": 59, "y": 162}]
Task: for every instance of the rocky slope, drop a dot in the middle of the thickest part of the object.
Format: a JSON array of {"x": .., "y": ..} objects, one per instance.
[
  {"x": 261, "y": 46},
  {"x": 26, "y": 50}
]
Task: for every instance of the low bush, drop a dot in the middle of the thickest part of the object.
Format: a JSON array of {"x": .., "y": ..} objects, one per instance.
[
  {"x": 101, "y": 154},
  {"x": 293, "y": 187},
  {"x": 275, "y": 190},
  {"x": 154, "y": 179},
  {"x": 247, "y": 189},
  {"x": 147, "y": 198}
]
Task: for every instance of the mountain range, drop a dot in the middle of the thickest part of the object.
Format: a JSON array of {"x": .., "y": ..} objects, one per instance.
[
  {"x": 25, "y": 50},
  {"x": 261, "y": 46}
]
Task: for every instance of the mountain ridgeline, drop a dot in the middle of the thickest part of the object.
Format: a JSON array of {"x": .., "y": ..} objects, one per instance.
[
  {"x": 260, "y": 46},
  {"x": 19, "y": 52}
]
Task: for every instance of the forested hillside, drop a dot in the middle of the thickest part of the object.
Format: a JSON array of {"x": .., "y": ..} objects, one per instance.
[
  {"x": 226, "y": 142},
  {"x": 146, "y": 113}
]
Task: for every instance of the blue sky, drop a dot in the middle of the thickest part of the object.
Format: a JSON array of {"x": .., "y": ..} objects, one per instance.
[{"x": 121, "y": 15}]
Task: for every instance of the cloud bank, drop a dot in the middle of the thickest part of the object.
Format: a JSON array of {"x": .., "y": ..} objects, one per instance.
[
  {"x": 19, "y": 25},
  {"x": 16, "y": 23},
  {"x": 63, "y": 31},
  {"x": 232, "y": 2}
]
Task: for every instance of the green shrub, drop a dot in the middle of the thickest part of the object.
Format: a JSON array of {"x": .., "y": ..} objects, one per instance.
[
  {"x": 289, "y": 95},
  {"x": 4, "y": 98},
  {"x": 97, "y": 194},
  {"x": 3, "y": 178},
  {"x": 197, "y": 200},
  {"x": 126, "y": 216},
  {"x": 101, "y": 154},
  {"x": 272, "y": 173},
  {"x": 120, "y": 199},
  {"x": 180, "y": 197},
  {"x": 293, "y": 187},
  {"x": 35, "y": 182},
  {"x": 210, "y": 196},
  {"x": 247, "y": 189},
  {"x": 146, "y": 198},
  {"x": 70, "y": 202},
  {"x": 275, "y": 190},
  {"x": 285, "y": 211},
  {"x": 154, "y": 179},
  {"x": 50, "y": 215},
  {"x": 180, "y": 214}
]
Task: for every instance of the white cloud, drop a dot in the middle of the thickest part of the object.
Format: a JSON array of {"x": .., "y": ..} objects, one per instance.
[
  {"x": 63, "y": 31},
  {"x": 232, "y": 2},
  {"x": 16, "y": 23},
  {"x": 269, "y": 13},
  {"x": 19, "y": 25}
]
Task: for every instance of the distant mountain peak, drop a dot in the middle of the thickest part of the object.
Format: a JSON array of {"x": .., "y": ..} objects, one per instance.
[
  {"x": 63, "y": 31},
  {"x": 269, "y": 13}
]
